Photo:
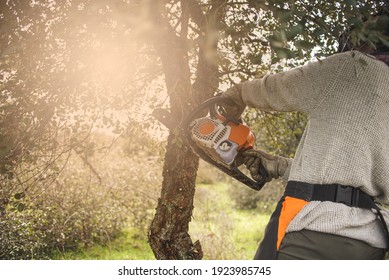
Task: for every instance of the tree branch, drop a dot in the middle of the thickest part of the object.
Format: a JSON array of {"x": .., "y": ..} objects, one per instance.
[{"x": 197, "y": 14}]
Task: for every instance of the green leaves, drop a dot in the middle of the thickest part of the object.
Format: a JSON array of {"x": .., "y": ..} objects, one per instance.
[
  {"x": 382, "y": 23},
  {"x": 351, "y": 3},
  {"x": 283, "y": 53},
  {"x": 356, "y": 22},
  {"x": 294, "y": 31},
  {"x": 304, "y": 45}
]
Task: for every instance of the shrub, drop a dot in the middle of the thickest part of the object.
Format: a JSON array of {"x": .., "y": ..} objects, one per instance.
[
  {"x": 263, "y": 201},
  {"x": 90, "y": 202},
  {"x": 61, "y": 217}
]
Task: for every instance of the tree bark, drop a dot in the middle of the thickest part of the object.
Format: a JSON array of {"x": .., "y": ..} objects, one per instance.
[{"x": 168, "y": 235}]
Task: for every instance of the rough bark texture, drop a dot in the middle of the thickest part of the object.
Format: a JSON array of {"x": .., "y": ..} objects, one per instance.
[{"x": 168, "y": 236}]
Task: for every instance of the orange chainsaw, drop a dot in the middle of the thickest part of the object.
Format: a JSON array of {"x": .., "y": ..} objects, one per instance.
[{"x": 218, "y": 139}]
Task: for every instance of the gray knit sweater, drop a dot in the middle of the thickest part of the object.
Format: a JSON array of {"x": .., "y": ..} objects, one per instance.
[{"x": 346, "y": 141}]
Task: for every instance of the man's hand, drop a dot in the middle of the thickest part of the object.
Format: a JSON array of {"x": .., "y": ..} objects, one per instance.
[
  {"x": 236, "y": 109},
  {"x": 275, "y": 166}
]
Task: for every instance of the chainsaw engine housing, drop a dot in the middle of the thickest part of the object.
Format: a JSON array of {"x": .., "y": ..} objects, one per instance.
[{"x": 220, "y": 139}]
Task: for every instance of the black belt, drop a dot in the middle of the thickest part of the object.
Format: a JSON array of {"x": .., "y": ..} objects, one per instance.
[
  {"x": 336, "y": 193},
  {"x": 347, "y": 195}
]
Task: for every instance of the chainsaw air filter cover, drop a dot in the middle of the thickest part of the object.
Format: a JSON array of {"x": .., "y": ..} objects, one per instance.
[{"x": 221, "y": 140}]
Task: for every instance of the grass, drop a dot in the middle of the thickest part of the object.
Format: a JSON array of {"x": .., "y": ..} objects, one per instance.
[
  {"x": 129, "y": 245},
  {"x": 223, "y": 231},
  {"x": 250, "y": 227}
]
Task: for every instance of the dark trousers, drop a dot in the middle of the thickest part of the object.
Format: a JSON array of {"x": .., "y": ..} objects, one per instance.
[{"x": 312, "y": 245}]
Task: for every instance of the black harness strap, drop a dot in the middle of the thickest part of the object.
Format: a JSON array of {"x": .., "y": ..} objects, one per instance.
[{"x": 347, "y": 195}]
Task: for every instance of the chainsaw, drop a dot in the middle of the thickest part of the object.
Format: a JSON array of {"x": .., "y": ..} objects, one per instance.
[{"x": 217, "y": 138}]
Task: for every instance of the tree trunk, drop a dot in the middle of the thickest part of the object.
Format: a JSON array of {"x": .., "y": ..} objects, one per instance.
[
  {"x": 168, "y": 235},
  {"x": 169, "y": 238}
]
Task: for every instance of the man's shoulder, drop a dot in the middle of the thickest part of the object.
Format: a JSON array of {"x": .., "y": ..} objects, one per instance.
[{"x": 353, "y": 57}]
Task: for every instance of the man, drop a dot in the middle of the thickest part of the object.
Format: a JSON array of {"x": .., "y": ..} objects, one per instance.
[{"x": 342, "y": 162}]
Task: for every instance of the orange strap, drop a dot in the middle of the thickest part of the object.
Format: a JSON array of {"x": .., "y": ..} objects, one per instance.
[{"x": 290, "y": 208}]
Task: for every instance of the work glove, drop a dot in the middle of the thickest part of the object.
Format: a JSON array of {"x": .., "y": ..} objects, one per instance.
[
  {"x": 275, "y": 166},
  {"x": 237, "y": 106}
]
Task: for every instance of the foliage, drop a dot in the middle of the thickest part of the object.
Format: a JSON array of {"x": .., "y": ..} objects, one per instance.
[
  {"x": 89, "y": 203},
  {"x": 263, "y": 202},
  {"x": 66, "y": 72},
  {"x": 302, "y": 26},
  {"x": 277, "y": 133},
  {"x": 67, "y": 69}
]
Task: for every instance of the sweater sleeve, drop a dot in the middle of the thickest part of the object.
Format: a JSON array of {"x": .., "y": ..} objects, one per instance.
[{"x": 300, "y": 89}]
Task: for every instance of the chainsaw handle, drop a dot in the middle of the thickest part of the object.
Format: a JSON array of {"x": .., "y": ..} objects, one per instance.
[
  {"x": 255, "y": 185},
  {"x": 221, "y": 101},
  {"x": 211, "y": 105},
  {"x": 264, "y": 175}
]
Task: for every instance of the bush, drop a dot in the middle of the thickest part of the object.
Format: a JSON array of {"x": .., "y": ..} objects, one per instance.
[
  {"x": 61, "y": 217},
  {"x": 20, "y": 237},
  {"x": 90, "y": 202},
  {"x": 263, "y": 201}
]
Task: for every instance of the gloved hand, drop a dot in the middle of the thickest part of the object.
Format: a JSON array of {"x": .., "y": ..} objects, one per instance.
[
  {"x": 275, "y": 166},
  {"x": 235, "y": 95}
]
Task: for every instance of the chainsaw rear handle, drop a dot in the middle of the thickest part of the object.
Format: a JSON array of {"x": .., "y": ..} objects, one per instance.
[
  {"x": 255, "y": 185},
  {"x": 264, "y": 174}
]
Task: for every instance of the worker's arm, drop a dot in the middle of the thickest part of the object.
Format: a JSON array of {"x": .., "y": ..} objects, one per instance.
[{"x": 301, "y": 89}]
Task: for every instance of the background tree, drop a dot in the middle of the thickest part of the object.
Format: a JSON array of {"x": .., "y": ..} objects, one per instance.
[{"x": 68, "y": 70}]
